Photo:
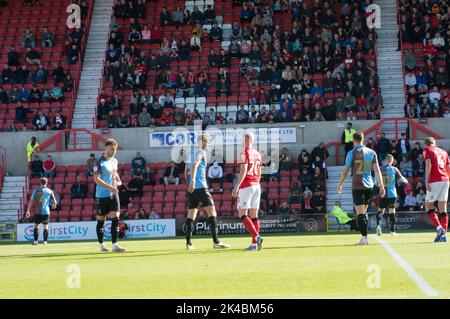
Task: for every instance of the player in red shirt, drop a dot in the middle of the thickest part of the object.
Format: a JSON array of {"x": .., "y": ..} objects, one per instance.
[
  {"x": 437, "y": 169},
  {"x": 248, "y": 190}
]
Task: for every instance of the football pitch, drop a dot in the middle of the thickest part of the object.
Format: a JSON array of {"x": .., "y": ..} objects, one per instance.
[{"x": 289, "y": 266}]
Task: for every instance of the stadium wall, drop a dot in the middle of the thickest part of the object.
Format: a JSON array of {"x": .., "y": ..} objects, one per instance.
[{"x": 308, "y": 135}]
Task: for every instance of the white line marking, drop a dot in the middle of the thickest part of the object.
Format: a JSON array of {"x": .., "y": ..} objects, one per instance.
[{"x": 420, "y": 282}]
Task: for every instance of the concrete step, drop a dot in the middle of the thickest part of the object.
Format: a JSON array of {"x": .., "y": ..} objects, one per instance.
[{"x": 15, "y": 179}]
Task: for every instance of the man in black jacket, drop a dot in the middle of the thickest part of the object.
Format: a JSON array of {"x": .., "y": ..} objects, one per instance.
[
  {"x": 13, "y": 57},
  {"x": 320, "y": 151},
  {"x": 136, "y": 186},
  {"x": 37, "y": 167},
  {"x": 383, "y": 147},
  {"x": 79, "y": 189},
  {"x": 171, "y": 174}
]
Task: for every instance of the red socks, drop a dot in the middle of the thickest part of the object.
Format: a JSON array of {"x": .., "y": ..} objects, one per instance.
[
  {"x": 434, "y": 218},
  {"x": 256, "y": 225},
  {"x": 249, "y": 226},
  {"x": 444, "y": 221}
]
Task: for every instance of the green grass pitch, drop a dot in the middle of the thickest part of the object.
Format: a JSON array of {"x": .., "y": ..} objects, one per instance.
[{"x": 289, "y": 266}]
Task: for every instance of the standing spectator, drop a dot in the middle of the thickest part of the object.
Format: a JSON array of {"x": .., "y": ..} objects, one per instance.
[
  {"x": 320, "y": 151},
  {"x": 90, "y": 165},
  {"x": 36, "y": 167},
  {"x": 215, "y": 172},
  {"x": 138, "y": 164},
  {"x": 347, "y": 138},
  {"x": 171, "y": 174},
  {"x": 49, "y": 167},
  {"x": 79, "y": 189},
  {"x": 32, "y": 147},
  {"x": 383, "y": 146},
  {"x": 405, "y": 148}
]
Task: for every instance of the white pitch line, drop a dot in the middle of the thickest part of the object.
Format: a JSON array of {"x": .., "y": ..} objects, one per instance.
[{"x": 420, "y": 281}]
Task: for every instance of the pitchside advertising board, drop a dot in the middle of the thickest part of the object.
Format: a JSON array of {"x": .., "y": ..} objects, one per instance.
[
  {"x": 184, "y": 137},
  {"x": 268, "y": 224},
  {"x": 151, "y": 228},
  {"x": 405, "y": 221}
]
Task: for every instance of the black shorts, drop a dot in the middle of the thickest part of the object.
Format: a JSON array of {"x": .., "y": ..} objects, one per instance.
[
  {"x": 387, "y": 202},
  {"x": 199, "y": 196},
  {"x": 107, "y": 204},
  {"x": 362, "y": 196},
  {"x": 41, "y": 219}
]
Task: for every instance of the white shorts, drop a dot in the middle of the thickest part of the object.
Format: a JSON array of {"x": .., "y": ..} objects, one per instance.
[
  {"x": 439, "y": 192},
  {"x": 249, "y": 197}
]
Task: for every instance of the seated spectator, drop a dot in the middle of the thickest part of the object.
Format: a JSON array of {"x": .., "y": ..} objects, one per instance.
[
  {"x": 318, "y": 203},
  {"x": 90, "y": 163},
  {"x": 418, "y": 166},
  {"x": 136, "y": 185},
  {"x": 154, "y": 215},
  {"x": 209, "y": 15},
  {"x": 39, "y": 75},
  {"x": 56, "y": 94},
  {"x": 7, "y": 75},
  {"x": 12, "y": 128},
  {"x": 171, "y": 174},
  {"x": 124, "y": 196},
  {"x": 58, "y": 74},
  {"x": 144, "y": 118},
  {"x": 410, "y": 201},
  {"x": 284, "y": 209},
  {"x": 342, "y": 217},
  {"x": 141, "y": 214},
  {"x": 49, "y": 167},
  {"x": 165, "y": 18},
  {"x": 196, "y": 44},
  {"x": 13, "y": 57},
  {"x": 215, "y": 34},
  {"x": 215, "y": 173},
  {"x": 138, "y": 164},
  {"x": 68, "y": 83},
  {"x": 294, "y": 194},
  {"x": 41, "y": 122},
  {"x": 272, "y": 207},
  {"x": 177, "y": 17},
  {"x": 406, "y": 167},
  {"x": 79, "y": 189},
  {"x": 33, "y": 57},
  {"x": 28, "y": 40},
  {"x": 285, "y": 159},
  {"x": 246, "y": 14},
  {"x": 420, "y": 199},
  {"x": 111, "y": 120},
  {"x": 20, "y": 75},
  {"x": 58, "y": 121},
  {"x": 47, "y": 38},
  {"x": 72, "y": 55},
  {"x": 36, "y": 167},
  {"x": 24, "y": 95}
]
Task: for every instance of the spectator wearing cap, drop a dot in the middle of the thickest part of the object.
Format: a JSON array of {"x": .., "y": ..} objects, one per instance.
[{"x": 347, "y": 138}]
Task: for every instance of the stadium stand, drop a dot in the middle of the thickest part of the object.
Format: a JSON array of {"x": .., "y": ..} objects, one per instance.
[
  {"x": 306, "y": 45},
  {"x": 425, "y": 36},
  {"x": 20, "y": 77}
]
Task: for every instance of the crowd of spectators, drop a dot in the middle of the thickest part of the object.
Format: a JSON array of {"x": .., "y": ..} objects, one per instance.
[
  {"x": 314, "y": 70},
  {"x": 427, "y": 68},
  {"x": 25, "y": 78}
]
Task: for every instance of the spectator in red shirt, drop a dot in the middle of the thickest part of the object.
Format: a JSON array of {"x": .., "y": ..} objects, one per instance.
[
  {"x": 49, "y": 167},
  {"x": 167, "y": 118}
]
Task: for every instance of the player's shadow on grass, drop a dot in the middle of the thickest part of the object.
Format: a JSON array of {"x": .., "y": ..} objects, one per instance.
[{"x": 179, "y": 252}]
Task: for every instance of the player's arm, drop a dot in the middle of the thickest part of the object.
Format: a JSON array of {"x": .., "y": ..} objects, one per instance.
[
  {"x": 53, "y": 200},
  {"x": 30, "y": 205},
  {"x": 378, "y": 175},
  {"x": 117, "y": 178},
  {"x": 242, "y": 174},
  {"x": 427, "y": 173},
  {"x": 348, "y": 166},
  {"x": 400, "y": 177}
]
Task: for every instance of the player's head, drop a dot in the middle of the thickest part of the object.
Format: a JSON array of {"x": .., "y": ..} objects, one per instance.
[
  {"x": 389, "y": 160},
  {"x": 430, "y": 141},
  {"x": 249, "y": 137},
  {"x": 43, "y": 181},
  {"x": 358, "y": 137},
  {"x": 111, "y": 147},
  {"x": 204, "y": 141}
]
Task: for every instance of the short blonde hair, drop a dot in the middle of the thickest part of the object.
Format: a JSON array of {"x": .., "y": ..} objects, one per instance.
[
  {"x": 430, "y": 141},
  {"x": 111, "y": 141}
]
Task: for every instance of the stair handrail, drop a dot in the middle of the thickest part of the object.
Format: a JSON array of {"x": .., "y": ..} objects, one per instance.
[
  {"x": 414, "y": 126},
  {"x": 399, "y": 22},
  {"x": 3, "y": 165},
  {"x": 57, "y": 138}
]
